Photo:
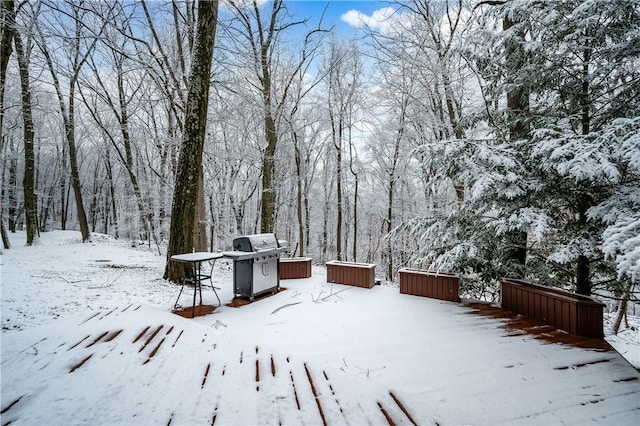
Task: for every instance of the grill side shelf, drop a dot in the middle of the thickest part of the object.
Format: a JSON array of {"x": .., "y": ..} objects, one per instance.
[{"x": 240, "y": 255}]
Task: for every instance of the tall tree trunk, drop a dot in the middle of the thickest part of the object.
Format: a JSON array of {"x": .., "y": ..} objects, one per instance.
[
  {"x": 6, "y": 243},
  {"x": 212, "y": 224},
  {"x": 263, "y": 38},
  {"x": 28, "y": 183},
  {"x": 145, "y": 218},
  {"x": 7, "y": 21},
  {"x": 307, "y": 215},
  {"x": 201, "y": 222},
  {"x": 7, "y": 26},
  {"x": 12, "y": 189},
  {"x": 268, "y": 210},
  {"x": 583, "y": 263},
  {"x": 392, "y": 181},
  {"x": 66, "y": 199},
  {"x": 354, "y": 254},
  {"x": 324, "y": 243},
  {"x": 517, "y": 111},
  {"x": 94, "y": 204},
  {"x": 162, "y": 195},
  {"x": 75, "y": 169},
  {"x": 64, "y": 193},
  {"x": 185, "y": 197},
  {"x": 338, "y": 147},
  {"x": 453, "y": 120},
  {"x": 112, "y": 193},
  {"x": 583, "y": 266},
  {"x": 299, "y": 199},
  {"x": 270, "y": 130},
  {"x": 583, "y": 275}
]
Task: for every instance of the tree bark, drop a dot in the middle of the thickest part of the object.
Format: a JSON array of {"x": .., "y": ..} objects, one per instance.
[
  {"x": 7, "y": 19},
  {"x": 268, "y": 210},
  {"x": 583, "y": 276},
  {"x": 299, "y": 198},
  {"x": 185, "y": 197},
  {"x": 517, "y": 110},
  {"x": 338, "y": 148},
  {"x": 352, "y": 155},
  {"x": 64, "y": 189},
  {"x": 112, "y": 193},
  {"x": 622, "y": 312},
  {"x": 583, "y": 266},
  {"x": 13, "y": 187},
  {"x": 201, "y": 223},
  {"x": 583, "y": 263},
  {"x": 147, "y": 222},
  {"x": 337, "y": 126},
  {"x": 28, "y": 183},
  {"x": 75, "y": 169},
  {"x": 7, "y": 22}
]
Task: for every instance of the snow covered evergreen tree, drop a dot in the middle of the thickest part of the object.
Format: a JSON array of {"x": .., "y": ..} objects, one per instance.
[{"x": 572, "y": 181}]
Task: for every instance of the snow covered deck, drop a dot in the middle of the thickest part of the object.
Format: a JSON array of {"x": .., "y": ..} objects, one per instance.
[
  {"x": 346, "y": 360},
  {"x": 312, "y": 354}
]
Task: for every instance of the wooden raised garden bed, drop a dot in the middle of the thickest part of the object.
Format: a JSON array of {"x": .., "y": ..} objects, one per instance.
[
  {"x": 571, "y": 312},
  {"x": 351, "y": 273},
  {"x": 297, "y": 267},
  {"x": 429, "y": 284}
]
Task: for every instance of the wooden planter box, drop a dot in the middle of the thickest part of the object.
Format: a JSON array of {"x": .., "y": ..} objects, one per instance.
[
  {"x": 351, "y": 273},
  {"x": 429, "y": 284},
  {"x": 297, "y": 267},
  {"x": 571, "y": 312}
]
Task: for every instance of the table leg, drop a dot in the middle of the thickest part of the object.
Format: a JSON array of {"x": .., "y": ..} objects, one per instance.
[
  {"x": 175, "y": 305},
  {"x": 199, "y": 281},
  {"x": 195, "y": 289}
]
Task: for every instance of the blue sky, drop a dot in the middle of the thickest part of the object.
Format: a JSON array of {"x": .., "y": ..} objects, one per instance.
[{"x": 335, "y": 10}]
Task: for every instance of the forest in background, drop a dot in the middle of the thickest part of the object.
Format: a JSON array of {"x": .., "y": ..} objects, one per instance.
[{"x": 488, "y": 138}]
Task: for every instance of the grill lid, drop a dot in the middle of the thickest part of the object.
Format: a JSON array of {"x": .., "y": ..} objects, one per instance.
[{"x": 255, "y": 242}]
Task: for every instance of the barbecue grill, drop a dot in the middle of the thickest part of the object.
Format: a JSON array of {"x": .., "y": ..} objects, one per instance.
[{"x": 256, "y": 266}]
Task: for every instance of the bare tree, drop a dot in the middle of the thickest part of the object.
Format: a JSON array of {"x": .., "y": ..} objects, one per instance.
[
  {"x": 118, "y": 97},
  {"x": 389, "y": 148},
  {"x": 185, "y": 197},
  {"x": 262, "y": 36},
  {"x": 165, "y": 58},
  {"x": 305, "y": 134},
  {"x": 82, "y": 41},
  {"x": 344, "y": 69},
  {"x": 308, "y": 148}
]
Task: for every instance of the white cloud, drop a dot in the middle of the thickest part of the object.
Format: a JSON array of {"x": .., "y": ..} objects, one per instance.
[{"x": 379, "y": 19}]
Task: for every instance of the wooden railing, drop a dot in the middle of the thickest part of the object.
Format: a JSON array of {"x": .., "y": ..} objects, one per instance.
[
  {"x": 293, "y": 268},
  {"x": 351, "y": 273},
  {"x": 418, "y": 282},
  {"x": 571, "y": 312}
]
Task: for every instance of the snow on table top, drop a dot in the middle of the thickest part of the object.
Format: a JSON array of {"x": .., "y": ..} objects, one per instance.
[
  {"x": 350, "y": 355},
  {"x": 198, "y": 256}
]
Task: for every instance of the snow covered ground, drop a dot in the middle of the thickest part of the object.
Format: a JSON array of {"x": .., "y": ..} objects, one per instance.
[{"x": 88, "y": 338}]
